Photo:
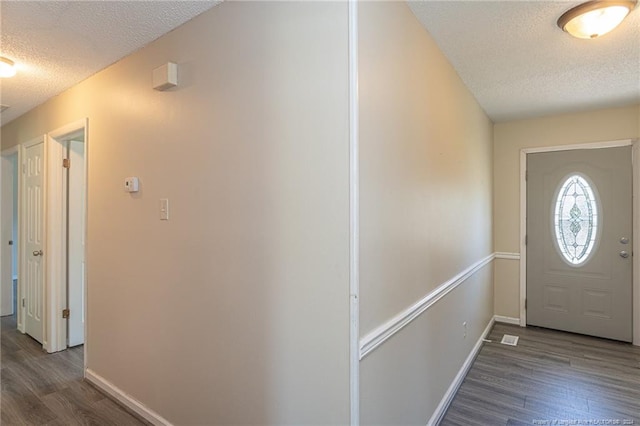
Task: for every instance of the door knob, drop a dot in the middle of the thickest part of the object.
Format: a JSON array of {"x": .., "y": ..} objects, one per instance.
[
  {"x": 624, "y": 240},
  {"x": 624, "y": 254},
  {"x": 39, "y": 253}
]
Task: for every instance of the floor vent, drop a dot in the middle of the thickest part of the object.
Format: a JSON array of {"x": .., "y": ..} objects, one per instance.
[{"x": 510, "y": 340}]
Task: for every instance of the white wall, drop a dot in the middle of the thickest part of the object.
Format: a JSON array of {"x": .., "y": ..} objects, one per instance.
[
  {"x": 426, "y": 214},
  {"x": 236, "y": 310}
]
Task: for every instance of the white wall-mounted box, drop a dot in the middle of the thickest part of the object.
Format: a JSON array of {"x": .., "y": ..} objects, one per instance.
[
  {"x": 166, "y": 76},
  {"x": 131, "y": 184}
]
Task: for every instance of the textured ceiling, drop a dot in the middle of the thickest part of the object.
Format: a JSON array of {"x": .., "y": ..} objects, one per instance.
[
  {"x": 57, "y": 44},
  {"x": 510, "y": 54},
  {"x": 519, "y": 64}
]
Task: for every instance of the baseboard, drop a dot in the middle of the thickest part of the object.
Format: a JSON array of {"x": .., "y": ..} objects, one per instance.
[
  {"x": 440, "y": 411},
  {"x": 506, "y": 320},
  {"x": 124, "y": 399}
]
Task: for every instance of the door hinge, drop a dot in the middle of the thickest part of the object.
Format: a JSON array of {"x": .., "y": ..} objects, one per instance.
[
  {"x": 66, "y": 163},
  {"x": 66, "y": 313},
  {"x": 23, "y": 302},
  {"x": 526, "y": 175},
  {"x": 525, "y": 303},
  {"x": 526, "y": 239},
  {"x": 24, "y": 168}
]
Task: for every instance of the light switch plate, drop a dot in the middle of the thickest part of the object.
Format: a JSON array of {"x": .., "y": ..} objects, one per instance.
[{"x": 164, "y": 209}]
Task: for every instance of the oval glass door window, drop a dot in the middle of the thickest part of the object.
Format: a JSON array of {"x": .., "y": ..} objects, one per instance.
[{"x": 576, "y": 220}]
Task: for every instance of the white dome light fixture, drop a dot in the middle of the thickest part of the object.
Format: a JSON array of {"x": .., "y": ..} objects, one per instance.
[
  {"x": 7, "y": 67},
  {"x": 595, "y": 18}
]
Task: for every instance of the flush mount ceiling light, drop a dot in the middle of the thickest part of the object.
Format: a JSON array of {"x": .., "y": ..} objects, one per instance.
[
  {"x": 595, "y": 18},
  {"x": 7, "y": 67}
]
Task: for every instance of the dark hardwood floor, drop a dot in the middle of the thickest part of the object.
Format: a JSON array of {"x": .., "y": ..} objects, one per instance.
[
  {"x": 550, "y": 378},
  {"x": 48, "y": 389}
]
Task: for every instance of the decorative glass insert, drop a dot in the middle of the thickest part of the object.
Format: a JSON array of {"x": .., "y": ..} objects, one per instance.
[{"x": 576, "y": 219}]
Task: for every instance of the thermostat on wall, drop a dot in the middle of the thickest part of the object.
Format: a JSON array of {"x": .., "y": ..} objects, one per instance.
[{"x": 131, "y": 184}]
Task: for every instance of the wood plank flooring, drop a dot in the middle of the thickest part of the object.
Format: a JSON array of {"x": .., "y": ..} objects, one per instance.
[
  {"x": 48, "y": 389},
  {"x": 550, "y": 378}
]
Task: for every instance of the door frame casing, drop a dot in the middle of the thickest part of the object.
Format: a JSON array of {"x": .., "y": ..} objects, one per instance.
[
  {"x": 634, "y": 143},
  {"x": 56, "y": 274}
]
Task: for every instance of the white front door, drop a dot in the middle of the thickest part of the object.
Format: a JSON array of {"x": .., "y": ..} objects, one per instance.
[
  {"x": 33, "y": 225},
  {"x": 6, "y": 237},
  {"x": 76, "y": 235},
  {"x": 579, "y": 248}
]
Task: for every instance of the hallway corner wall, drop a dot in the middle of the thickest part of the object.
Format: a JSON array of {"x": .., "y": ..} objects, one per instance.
[
  {"x": 236, "y": 309},
  {"x": 426, "y": 217}
]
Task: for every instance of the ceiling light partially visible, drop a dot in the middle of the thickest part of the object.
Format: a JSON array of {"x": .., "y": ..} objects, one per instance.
[
  {"x": 7, "y": 67},
  {"x": 595, "y": 18}
]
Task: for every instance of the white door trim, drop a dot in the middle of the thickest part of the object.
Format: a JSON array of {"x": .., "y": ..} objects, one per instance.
[
  {"x": 635, "y": 164},
  {"x": 55, "y": 251},
  {"x": 354, "y": 219},
  {"x": 55, "y": 274},
  {"x": 636, "y": 221}
]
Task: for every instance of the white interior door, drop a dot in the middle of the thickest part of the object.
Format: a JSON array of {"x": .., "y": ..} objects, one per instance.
[
  {"x": 33, "y": 211},
  {"x": 76, "y": 235},
  {"x": 579, "y": 249},
  {"x": 6, "y": 237}
]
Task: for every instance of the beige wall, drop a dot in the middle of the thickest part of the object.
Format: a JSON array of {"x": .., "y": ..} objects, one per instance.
[
  {"x": 235, "y": 311},
  {"x": 426, "y": 213},
  {"x": 509, "y": 139}
]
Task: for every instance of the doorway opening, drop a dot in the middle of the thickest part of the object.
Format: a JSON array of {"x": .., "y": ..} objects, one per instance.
[
  {"x": 75, "y": 263},
  {"x": 66, "y": 235},
  {"x": 9, "y": 234},
  {"x": 52, "y": 216}
]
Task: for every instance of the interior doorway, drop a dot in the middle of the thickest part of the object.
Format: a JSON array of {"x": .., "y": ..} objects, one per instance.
[
  {"x": 9, "y": 232},
  {"x": 75, "y": 189},
  {"x": 66, "y": 235}
]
